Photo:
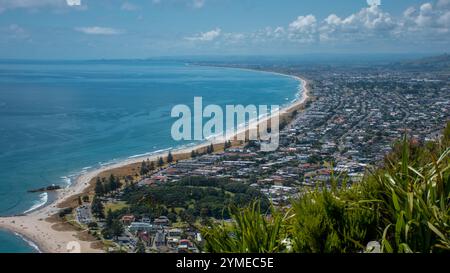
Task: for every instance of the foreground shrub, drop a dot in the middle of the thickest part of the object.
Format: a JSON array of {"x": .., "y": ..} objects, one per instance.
[{"x": 404, "y": 205}]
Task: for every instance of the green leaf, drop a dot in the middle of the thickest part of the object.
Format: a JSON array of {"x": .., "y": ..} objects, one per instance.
[{"x": 435, "y": 230}]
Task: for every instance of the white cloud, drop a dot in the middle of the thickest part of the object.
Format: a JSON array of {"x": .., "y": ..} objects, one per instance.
[
  {"x": 206, "y": 36},
  {"x": 233, "y": 38},
  {"x": 428, "y": 19},
  {"x": 443, "y": 3},
  {"x": 374, "y": 2},
  {"x": 14, "y": 32},
  {"x": 73, "y": 2},
  {"x": 368, "y": 21},
  {"x": 96, "y": 30},
  {"x": 127, "y": 6},
  {"x": 13, "y": 4},
  {"x": 198, "y": 4},
  {"x": 34, "y": 4},
  {"x": 444, "y": 19},
  {"x": 303, "y": 23},
  {"x": 303, "y": 29},
  {"x": 370, "y": 24}
]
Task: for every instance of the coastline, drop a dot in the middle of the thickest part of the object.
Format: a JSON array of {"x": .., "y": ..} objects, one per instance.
[{"x": 38, "y": 227}]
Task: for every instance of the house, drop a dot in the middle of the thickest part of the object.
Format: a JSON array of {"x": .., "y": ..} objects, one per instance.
[
  {"x": 174, "y": 236},
  {"x": 141, "y": 226},
  {"x": 127, "y": 219},
  {"x": 162, "y": 221},
  {"x": 185, "y": 246}
]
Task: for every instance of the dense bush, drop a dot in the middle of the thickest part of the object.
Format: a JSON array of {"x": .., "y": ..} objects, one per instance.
[{"x": 196, "y": 196}]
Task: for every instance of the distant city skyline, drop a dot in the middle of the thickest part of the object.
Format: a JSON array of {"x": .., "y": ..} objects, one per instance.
[{"x": 87, "y": 29}]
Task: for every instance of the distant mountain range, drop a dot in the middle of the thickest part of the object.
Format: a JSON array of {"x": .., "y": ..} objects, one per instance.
[{"x": 439, "y": 62}]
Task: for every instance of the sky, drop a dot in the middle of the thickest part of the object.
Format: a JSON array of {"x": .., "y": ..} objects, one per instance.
[{"x": 95, "y": 29}]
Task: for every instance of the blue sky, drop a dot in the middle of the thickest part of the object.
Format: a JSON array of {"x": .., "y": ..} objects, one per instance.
[{"x": 86, "y": 29}]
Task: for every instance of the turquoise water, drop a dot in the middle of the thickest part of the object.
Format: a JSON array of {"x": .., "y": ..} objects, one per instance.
[
  {"x": 58, "y": 119},
  {"x": 10, "y": 243}
]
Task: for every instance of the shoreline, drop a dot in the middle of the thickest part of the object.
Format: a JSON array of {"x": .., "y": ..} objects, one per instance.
[{"x": 36, "y": 225}]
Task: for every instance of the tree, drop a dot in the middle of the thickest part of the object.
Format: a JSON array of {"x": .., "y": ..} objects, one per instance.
[
  {"x": 109, "y": 219},
  {"x": 118, "y": 183},
  {"x": 112, "y": 183},
  {"x": 169, "y": 157},
  {"x": 227, "y": 145},
  {"x": 193, "y": 153},
  {"x": 80, "y": 202},
  {"x": 97, "y": 208},
  {"x": 160, "y": 162},
  {"x": 140, "y": 247},
  {"x": 144, "y": 168},
  {"x": 152, "y": 166},
  {"x": 172, "y": 217},
  {"x": 99, "y": 189},
  {"x": 116, "y": 228},
  {"x": 210, "y": 149},
  {"x": 106, "y": 187}
]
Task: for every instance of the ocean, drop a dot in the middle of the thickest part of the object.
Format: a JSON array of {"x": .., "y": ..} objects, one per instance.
[{"x": 62, "y": 118}]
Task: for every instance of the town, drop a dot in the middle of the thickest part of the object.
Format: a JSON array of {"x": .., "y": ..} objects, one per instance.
[{"x": 348, "y": 125}]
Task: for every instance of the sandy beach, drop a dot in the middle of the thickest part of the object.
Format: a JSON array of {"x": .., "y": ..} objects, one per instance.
[{"x": 52, "y": 236}]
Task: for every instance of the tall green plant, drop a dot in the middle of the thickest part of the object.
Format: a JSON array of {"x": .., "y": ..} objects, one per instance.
[
  {"x": 332, "y": 221},
  {"x": 415, "y": 205},
  {"x": 250, "y": 231},
  {"x": 405, "y": 205}
]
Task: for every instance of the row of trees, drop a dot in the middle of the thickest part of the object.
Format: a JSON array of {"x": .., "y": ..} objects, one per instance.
[
  {"x": 148, "y": 166},
  {"x": 103, "y": 186},
  {"x": 209, "y": 149}
]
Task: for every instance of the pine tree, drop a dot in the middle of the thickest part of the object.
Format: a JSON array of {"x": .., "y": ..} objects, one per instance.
[
  {"x": 106, "y": 187},
  {"x": 160, "y": 162},
  {"x": 116, "y": 228},
  {"x": 118, "y": 183},
  {"x": 114, "y": 183},
  {"x": 97, "y": 208},
  {"x": 109, "y": 219},
  {"x": 169, "y": 157},
  {"x": 99, "y": 189},
  {"x": 144, "y": 168},
  {"x": 152, "y": 166},
  {"x": 227, "y": 144},
  {"x": 210, "y": 149}
]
